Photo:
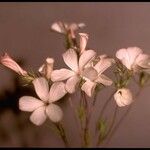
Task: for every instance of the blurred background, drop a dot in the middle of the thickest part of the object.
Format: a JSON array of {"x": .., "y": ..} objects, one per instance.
[{"x": 25, "y": 34}]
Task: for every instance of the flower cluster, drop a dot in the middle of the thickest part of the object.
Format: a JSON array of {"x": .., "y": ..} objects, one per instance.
[{"x": 85, "y": 72}]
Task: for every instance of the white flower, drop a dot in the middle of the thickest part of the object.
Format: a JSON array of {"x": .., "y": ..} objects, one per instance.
[
  {"x": 133, "y": 58},
  {"x": 63, "y": 28},
  {"x": 7, "y": 61},
  {"x": 73, "y": 76},
  {"x": 44, "y": 107},
  {"x": 123, "y": 97},
  {"x": 47, "y": 68},
  {"x": 93, "y": 75}
]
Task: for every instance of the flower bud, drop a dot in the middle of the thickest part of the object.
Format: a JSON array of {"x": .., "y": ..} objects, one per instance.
[
  {"x": 83, "y": 41},
  {"x": 123, "y": 97},
  {"x": 7, "y": 61},
  {"x": 47, "y": 68}
]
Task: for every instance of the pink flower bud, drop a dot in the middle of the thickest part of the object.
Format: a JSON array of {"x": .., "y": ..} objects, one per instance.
[
  {"x": 83, "y": 41},
  {"x": 47, "y": 68},
  {"x": 123, "y": 97},
  {"x": 7, "y": 61}
]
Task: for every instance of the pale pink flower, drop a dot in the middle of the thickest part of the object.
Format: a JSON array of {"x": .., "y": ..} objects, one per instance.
[
  {"x": 133, "y": 58},
  {"x": 94, "y": 75},
  {"x": 63, "y": 28},
  {"x": 47, "y": 68},
  {"x": 44, "y": 107},
  {"x": 83, "y": 41},
  {"x": 143, "y": 62},
  {"x": 123, "y": 97},
  {"x": 74, "y": 75},
  {"x": 7, "y": 61}
]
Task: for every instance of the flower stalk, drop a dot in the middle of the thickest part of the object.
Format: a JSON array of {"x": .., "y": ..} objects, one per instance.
[{"x": 62, "y": 133}]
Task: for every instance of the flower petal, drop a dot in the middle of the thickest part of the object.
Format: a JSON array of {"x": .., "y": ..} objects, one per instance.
[
  {"x": 89, "y": 74},
  {"x": 38, "y": 117},
  {"x": 41, "y": 88},
  {"x": 72, "y": 84},
  {"x": 83, "y": 41},
  {"x": 88, "y": 87},
  {"x": 128, "y": 56},
  {"x": 86, "y": 56},
  {"x": 75, "y": 26},
  {"x": 58, "y": 27},
  {"x": 143, "y": 60},
  {"x": 103, "y": 64},
  {"x": 104, "y": 80},
  {"x": 54, "y": 112},
  {"x": 61, "y": 74},
  {"x": 71, "y": 60},
  {"x": 57, "y": 91},
  {"x": 29, "y": 103}
]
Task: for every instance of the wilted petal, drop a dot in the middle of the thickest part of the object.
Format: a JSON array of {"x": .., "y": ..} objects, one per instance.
[
  {"x": 83, "y": 41},
  {"x": 103, "y": 64},
  {"x": 89, "y": 87},
  {"x": 41, "y": 88},
  {"x": 123, "y": 97},
  {"x": 58, "y": 27},
  {"x": 128, "y": 56},
  {"x": 104, "y": 80},
  {"x": 38, "y": 117},
  {"x": 61, "y": 74},
  {"x": 7, "y": 61},
  {"x": 71, "y": 60},
  {"x": 57, "y": 91},
  {"x": 29, "y": 103},
  {"x": 89, "y": 74},
  {"x": 72, "y": 84},
  {"x": 54, "y": 112},
  {"x": 86, "y": 57}
]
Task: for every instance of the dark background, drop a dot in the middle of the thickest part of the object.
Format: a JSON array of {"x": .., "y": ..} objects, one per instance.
[{"x": 25, "y": 34}]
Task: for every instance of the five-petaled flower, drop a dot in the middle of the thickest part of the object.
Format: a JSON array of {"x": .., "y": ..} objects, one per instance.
[
  {"x": 76, "y": 65},
  {"x": 133, "y": 58},
  {"x": 44, "y": 107}
]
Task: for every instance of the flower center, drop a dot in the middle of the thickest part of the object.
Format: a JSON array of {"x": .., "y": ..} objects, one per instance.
[{"x": 46, "y": 103}]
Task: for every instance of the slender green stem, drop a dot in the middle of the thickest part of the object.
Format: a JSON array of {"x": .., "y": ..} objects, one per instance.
[
  {"x": 105, "y": 105},
  {"x": 75, "y": 116},
  {"x": 122, "y": 118},
  {"x": 86, "y": 127},
  {"x": 101, "y": 139},
  {"x": 62, "y": 133}
]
